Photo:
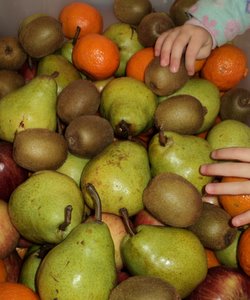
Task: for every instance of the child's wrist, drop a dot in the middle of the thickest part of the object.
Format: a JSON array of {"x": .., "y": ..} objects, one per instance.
[{"x": 196, "y": 22}]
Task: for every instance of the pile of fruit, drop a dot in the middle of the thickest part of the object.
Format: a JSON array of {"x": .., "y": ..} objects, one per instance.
[{"x": 101, "y": 195}]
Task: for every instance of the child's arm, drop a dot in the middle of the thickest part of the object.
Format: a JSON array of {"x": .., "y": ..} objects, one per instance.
[
  {"x": 214, "y": 23},
  {"x": 236, "y": 164}
]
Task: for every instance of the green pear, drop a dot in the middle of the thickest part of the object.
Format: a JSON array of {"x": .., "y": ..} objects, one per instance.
[
  {"x": 126, "y": 38},
  {"x": 175, "y": 255},
  {"x": 46, "y": 207},
  {"x": 228, "y": 255},
  {"x": 73, "y": 166},
  {"x": 129, "y": 105},
  {"x": 66, "y": 50},
  {"x": 29, "y": 269},
  {"x": 229, "y": 133},
  {"x": 82, "y": 266},
  {"x": 119, "y": 173},
  {"x": 209, "y": 96},
  {"x": 30, "y": 106},
  {"x": 169, "y": 151},
  {"x": 57, "y": 63}
]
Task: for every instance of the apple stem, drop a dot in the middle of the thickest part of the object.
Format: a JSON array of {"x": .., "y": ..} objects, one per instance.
[
  {"x": 129, "y": 227},
  {"x": 97, "y": 201},
  {"x": 162, "y": 138},
  {"x": 67, "y": 218}
]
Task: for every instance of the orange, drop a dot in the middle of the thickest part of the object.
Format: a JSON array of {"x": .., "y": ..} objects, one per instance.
[
  {"x": 243, "y": 251},
  {"x": 199, "y": 63},
  {"x": 3, "y": 271},
  {"x": 96, "y": 55},
  {"x": 212, "y": 260},
  {"x": 226, "y": 66},
  {"x": 138, "y": 63},
  {"x": 234, "y": 204},
  {"x": 16, "y": 291},
  {"x": 81, "y": 14}
]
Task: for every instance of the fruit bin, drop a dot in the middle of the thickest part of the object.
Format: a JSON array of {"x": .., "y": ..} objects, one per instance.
[
  {"x": 143, "y": 161},
  {"x": 12, "y": 12}
]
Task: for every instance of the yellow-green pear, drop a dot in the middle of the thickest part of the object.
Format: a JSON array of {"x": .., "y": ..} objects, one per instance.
[{"x": 30, "y": 106}]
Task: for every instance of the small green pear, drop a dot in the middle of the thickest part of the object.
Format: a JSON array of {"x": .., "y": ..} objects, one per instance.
[
  {"x": 119, "y": 173},
  {"x": 209, "y": 96},
  {"x": 229, "y": 133},
  {"x": 56, "y": 62},
  {"x": 175, "y": 255},
  {"x": 46, "y": 207},
  {"x": 83, "y": 265},
  {"x": 169, "y": 151},
  {"x": 129, "y": 105},
  {"x": 126, "y": 38},
  {"x": 30, "y": 106}
]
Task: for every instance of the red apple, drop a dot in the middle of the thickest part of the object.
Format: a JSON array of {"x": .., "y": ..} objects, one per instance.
[
  {"x": 9, "y": 236},
  {"x": 222, "y": 282},
  {"x": 11, "y": 175},
  {"x": 28, "y": 70},
  {"x": 122, "y": 275},
  {"x": 117, "y": 231},
  {"x": 13, "y": 264},
  {"x": 144, "y": 217}
]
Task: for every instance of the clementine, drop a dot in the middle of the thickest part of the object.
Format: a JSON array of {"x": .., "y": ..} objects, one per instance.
[
  {"x": 234, "y": 204},
  {"x": 80, "y": 14},
  {"x": 138, "y": 63},
  {"x": 243, "y": 251},
  {"x": 226, "y": 66},
  {"x": 212, "y": 260},
  {"x": 96, "y": 55},
  {"x": 16, "y": 291}
]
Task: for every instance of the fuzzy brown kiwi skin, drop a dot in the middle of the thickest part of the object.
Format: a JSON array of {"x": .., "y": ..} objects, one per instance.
[
  {"x": 37, "y": 149},
  {"x": 88, "y": 135},
  {"x": 9, "y": 81},
  {"x": 151, "y": 26},
  {"x": 183, "y": 114},
  {"x": 130, "y": 11},
  {"x": 80, "y": 97}
]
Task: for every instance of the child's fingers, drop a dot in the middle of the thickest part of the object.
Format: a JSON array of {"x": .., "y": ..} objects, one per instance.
[
  {"x": 233, "y": 169},
  {"x": 232, "y": 153},
  {"x": 242, "y": 219},
  {"x": 228, "y": 188}
]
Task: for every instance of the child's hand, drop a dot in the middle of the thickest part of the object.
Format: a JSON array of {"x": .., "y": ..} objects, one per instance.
[
  {"x": 237, "y": 164},
  {"x": 194, "y": 40}
]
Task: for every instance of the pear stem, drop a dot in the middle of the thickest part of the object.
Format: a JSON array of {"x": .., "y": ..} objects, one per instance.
[
  {"x": 97, "y": 201},
  {"x": 67, "y": 218},
  {"x": 162, "y": 138},
  {"x": 44, "y": 250},
  {"x": 129, "y": 227},
  {"x": 122, "y": 129},
  {"x": 76, "y": 36}
]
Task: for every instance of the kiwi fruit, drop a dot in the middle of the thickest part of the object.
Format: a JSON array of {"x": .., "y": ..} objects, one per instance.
[
  {"x": 161, "y": 80},
  {"x": 41, "y": 36},
  {"x": 179, "y": 11},
  {"x": 235, "y": 105},
  {"x": 88, "y": 135},
  {"x": 37, "y": 149},
  {"x": 151, "y": 26},
  {"x": 172, "y": 200},
  {"x": 10, "y": 81},
  {"x": 144, "y": 287},
  {"x": 183, "y": 114},
  {"x": 12, "y": 54},
  {"x": 130, "y": 11},
  {"x": 79, "y": 97},
  {"x": 213, "y": 227}
]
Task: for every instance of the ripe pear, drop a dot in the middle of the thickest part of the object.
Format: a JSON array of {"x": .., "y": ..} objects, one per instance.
[
  {"x": 209, "y": 96},
  {"x": 119, "y": 173},
  {"x": 46, "y": 207},
  {"x": 175, "y": 255},
  {"x": 229, "y": 133},
  {"x": 126, "y": 38},
  {"x": 30, "y": 106},
  {"x": 82, "y": 266},
  {"x": 181, "y": 154},
  {"x": 129, "y": 105},
  {"x": 57, "y": 63}
]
